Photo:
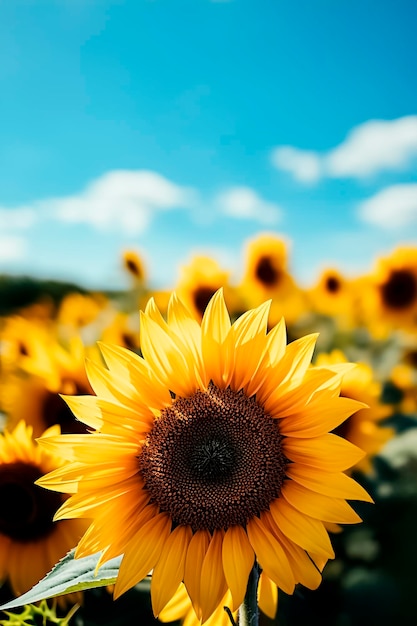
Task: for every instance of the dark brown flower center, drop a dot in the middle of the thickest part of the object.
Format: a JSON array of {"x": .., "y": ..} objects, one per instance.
[
  {"x": 333, "y": 284},
  {"x": 266, "y": 273},
  {"x": 202, "y": 297},
  {"x": 56, "y": 411},
  {"x": 411, "y": 358},
  {"x": 26, "y": 510},
  {"x": 134, "y": 268},
  {"x": 213, "y": 460},
  {"x": 400, "y": 290}
]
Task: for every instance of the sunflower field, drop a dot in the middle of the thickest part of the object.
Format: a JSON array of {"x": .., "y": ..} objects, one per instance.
[{"x": 223, "y": 452}]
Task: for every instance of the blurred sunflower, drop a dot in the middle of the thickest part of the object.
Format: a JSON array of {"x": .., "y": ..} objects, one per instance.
[
  {"x": 390, "y": 301},
  {"x": 365, "y": 427},
  {"x": 266, "y": 276},
  {"x": 199, "y": 281},
  {"x": 31, "y": 391},
  {"x": 211, "y": 451},
  {"x": 403, "y": 376},
  {"x": 134, "y": 265},
  {"x": 332, "y": 295},
  {"x": 30, "y": 542},
  {"x": 123, "y": 330},
  {"x": 19, "y": 338},
  {"x": 78, "y": 310}
]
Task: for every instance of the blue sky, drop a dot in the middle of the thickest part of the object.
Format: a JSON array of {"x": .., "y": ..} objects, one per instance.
[{"x": 182, "y": 127}]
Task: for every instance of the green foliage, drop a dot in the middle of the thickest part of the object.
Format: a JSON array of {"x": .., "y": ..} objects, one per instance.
[
  {"x": 42, "y": 615},
  {"x": 17, "y": 292},
  {"x": 68, "y": 576}
]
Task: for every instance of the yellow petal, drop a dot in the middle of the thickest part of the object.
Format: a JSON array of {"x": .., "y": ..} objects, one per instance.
[
  {"x": 291, "y": 367},
  {"x": 85, "y": 504},
  {"x": 318, "y": 417},
  {"x": 177, "y": 607},
  {"x": 303, "y": 568},
  {"x": 270, "y": 555},
  {"x": 167, "y": 358},
  {"x": 273, "y": 348},
  {"x": 305, "y": 531},
  {"x": 117, "y": 528},
  {"x": 238, "y": 558},
  {"x": 335, "y": 485},
  {"x": 111, "y": 387},
  {"x": 217, "y": 349},
  {"x": 329, "y": 452},
  {"x": 277, "y": 342},
  {"x": 187, "y": 332},
  {"x": 169, "y": 571},
  {"x": 249, "y": 338},
  {"x": 319, "y": 506},
  {"x": 196, "y": 553},
  {"x": 295, "y": 395},
  {"x": 133, "y": 368},
  {"x": 212, "y": 581},
  {"x": 142, "y": 553},
  {"x": 109, "y": 416},
  {"x": 267, "y": 596}
]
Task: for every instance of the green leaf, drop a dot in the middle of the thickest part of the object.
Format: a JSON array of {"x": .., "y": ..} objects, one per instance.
[{"x": 70, "y": 575}]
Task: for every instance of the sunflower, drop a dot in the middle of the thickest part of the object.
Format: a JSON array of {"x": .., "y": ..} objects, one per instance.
[
  {"x": 390, "y": 300},
  {"x": 42, "y": 370},
  {"x": 198, "y": 283},
  {"x": 332, "y": 295},
  {"x": 30, "y": 542},
  {"x": 266, "y": 276},
  {"x": 78, "y": 310},
  {"x": 365, "y": 428},
  {"x": 210, "y": 452},
  {"x": 19, "y": 338},
  {"x": 134, "y": 265},
  {"x": 122, "y": 329}
]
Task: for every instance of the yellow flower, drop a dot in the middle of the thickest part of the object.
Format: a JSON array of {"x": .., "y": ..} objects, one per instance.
[
  {"x": 198, "y": 283},
  {"x": 266, "y": 276},
  {"x": 333, "y": 295},
  {"x": 211, "y": 451},
  {"x": 389, "y": 300},
  {"x": 78, "y": 310},
  {"x": 30, "y": 542},
  {"x": 34, "y": 380},
  {"x": 363, "y": 428},
  {"x": 133, "y": 263},
  {"x": 123, "y": 330}
]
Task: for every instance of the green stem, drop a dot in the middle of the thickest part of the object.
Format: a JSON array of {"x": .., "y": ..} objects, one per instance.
[{"x": 248, "y": 612}]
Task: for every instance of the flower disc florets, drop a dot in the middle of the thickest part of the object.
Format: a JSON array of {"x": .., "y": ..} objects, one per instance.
[{"x": 213, "y": 460}]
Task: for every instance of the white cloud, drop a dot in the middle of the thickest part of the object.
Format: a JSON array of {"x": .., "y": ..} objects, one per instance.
[
  {"x": 394, "y": 207},
  {"x": 12, "y": 248},
  {"x": 370, "y": 148},
  {"x": 245, "y": 203},
  {"x": 374, "y": 146},
  {"x": 122, "y": 199},
  {"x": 304, "y": 165},
  {"x": 17, "y": 218}
]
